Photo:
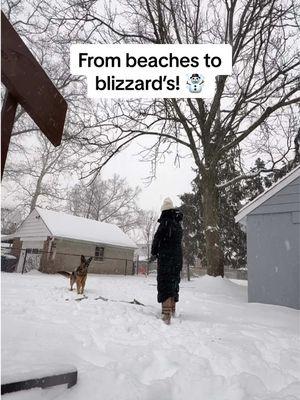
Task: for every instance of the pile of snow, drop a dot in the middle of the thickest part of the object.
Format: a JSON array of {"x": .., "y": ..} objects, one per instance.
[{"x": 219, "y": 347}]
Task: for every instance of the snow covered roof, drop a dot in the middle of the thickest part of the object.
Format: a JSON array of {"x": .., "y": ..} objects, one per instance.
[
  {"x": 280, "y": 184},
  {"x": 69, "y": 226},
  {"x": 6, "y": 238}
]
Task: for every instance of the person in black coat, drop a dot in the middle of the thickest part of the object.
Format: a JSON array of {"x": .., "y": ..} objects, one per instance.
[{"x": 167, "y": 248}]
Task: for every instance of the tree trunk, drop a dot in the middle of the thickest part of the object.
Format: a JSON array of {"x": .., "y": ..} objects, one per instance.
[
  {"x": 37, "y": 192},
  {"x": 211, "y": 218}
]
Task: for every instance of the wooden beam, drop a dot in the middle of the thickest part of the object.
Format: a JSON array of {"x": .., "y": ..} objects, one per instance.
[
  {"x": 69, "y": 378},
  {"x": 29, "y": 84},
  {"x": 8, "y": 113}
]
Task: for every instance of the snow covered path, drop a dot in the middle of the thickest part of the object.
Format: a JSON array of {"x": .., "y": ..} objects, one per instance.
[{"x": 219, "y": 348}]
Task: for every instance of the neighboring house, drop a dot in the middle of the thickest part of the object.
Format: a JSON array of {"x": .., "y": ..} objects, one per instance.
[
  {"x": 52, "y": 241},
  {"x": 272, "y": 221}
]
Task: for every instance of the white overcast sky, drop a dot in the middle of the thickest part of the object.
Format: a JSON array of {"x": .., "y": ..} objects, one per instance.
[{"x": 171, "y": 180}]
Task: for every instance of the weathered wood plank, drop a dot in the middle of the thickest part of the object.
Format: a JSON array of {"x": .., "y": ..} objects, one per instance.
[
  {"x": 8, "y": 113},
  {"x": 69, "y": 378}
]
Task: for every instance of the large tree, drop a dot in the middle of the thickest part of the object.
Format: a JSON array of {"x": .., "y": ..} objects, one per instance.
[
  {"x": 232, "y": 238},
  {"x": 256, "y": 101}
]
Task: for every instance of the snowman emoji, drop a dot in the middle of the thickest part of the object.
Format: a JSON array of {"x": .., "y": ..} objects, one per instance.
[{"x": 195, "y": 83}]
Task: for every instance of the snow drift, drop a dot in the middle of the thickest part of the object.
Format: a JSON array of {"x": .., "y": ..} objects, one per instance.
[{"x": 219, "y": 347}]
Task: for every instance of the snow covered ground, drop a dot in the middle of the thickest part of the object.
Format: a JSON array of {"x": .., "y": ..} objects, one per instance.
[{"x": 218, "y": 348}]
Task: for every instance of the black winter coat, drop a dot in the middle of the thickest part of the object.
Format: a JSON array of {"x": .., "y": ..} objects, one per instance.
[{"x": 167, "y": 248}]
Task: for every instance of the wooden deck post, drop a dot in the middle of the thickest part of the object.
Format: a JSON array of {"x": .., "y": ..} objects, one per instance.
[{"x": 8, "y": 113}]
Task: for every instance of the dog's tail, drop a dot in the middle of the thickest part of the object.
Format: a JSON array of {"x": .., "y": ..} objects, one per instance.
[{"x": 64, "y": 273}]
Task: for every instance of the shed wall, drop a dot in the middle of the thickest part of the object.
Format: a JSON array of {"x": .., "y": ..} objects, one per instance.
[
  {"x": 273, "y": 242},
  {"x": 114, "y": 257},
  {"x": 33, "y": 227},
  {"x": 286, "y": 200}
]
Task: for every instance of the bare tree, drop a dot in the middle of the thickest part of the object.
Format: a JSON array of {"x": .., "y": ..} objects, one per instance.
[
  {"x": 37, "y": 174},
  {"x": 10, "y": 220},
  {"x": 33, "y": 22},
  {"x": 36, "y": 170},
  {"x": 147, "y": 226},
  {"x": 254, "y": 101},
  {"x": 111, "y": 200}
]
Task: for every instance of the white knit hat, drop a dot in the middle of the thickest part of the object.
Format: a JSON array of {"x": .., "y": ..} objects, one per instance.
[{"x": 167, "y": 204}]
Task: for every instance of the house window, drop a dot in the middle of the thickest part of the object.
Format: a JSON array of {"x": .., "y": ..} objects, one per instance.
[
  {"x": 99, "y": 253},
  {"x": 33, "y": 251}
]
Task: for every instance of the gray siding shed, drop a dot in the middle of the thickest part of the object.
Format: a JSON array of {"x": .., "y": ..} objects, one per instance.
[{"x": 272, "y": 223}]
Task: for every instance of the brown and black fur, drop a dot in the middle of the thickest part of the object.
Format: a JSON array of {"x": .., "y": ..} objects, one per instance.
[{"x": 78, "y": 275}]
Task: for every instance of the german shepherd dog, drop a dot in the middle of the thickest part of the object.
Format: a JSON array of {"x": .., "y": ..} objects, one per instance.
[{"x": 78, "y": 275}]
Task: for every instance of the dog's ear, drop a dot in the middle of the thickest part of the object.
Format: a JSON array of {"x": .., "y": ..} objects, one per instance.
[
  {"x": 89, "y": 260},
  {"x": 82, "y": 259}
]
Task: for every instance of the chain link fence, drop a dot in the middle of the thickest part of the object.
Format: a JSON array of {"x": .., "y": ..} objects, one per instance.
[
  {"x": 49, "y": 262},
  {"x": 34, "y": 259}
]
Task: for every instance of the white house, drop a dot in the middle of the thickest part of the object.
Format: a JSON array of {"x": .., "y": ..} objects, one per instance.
[{"x": 51, "y": 241}]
